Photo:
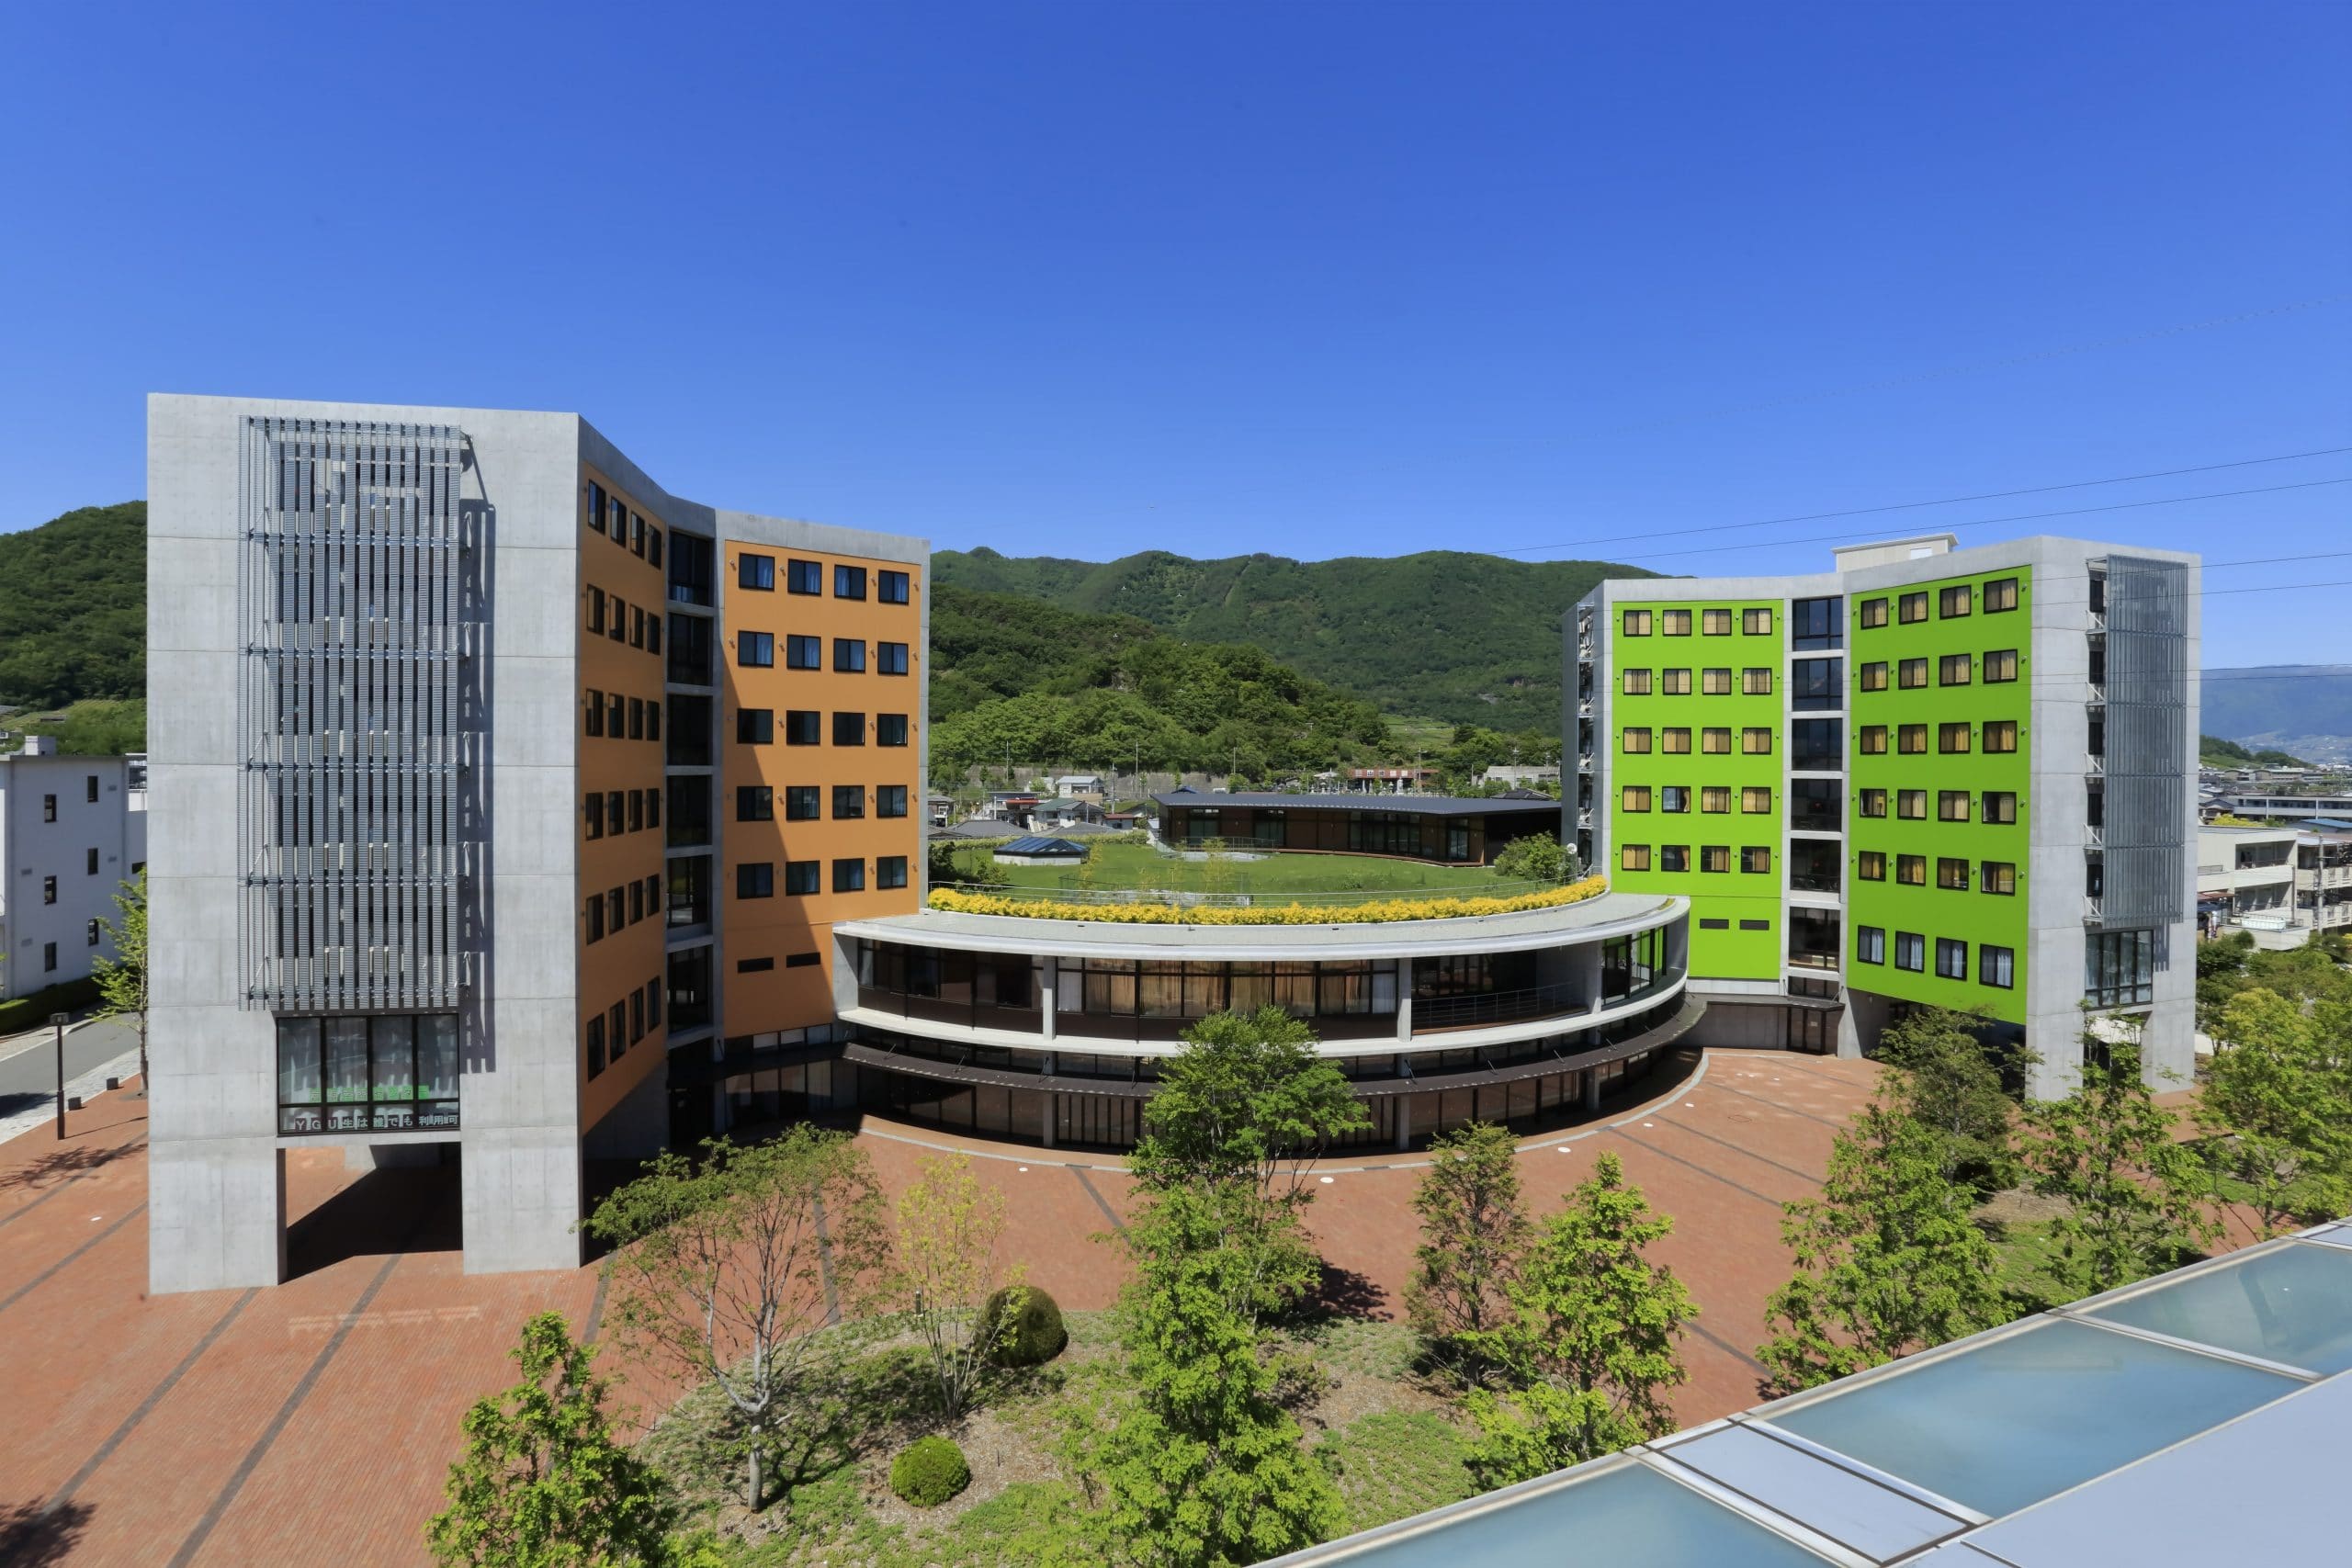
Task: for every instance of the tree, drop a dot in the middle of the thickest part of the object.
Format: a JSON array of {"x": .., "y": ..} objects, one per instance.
[
  {"x": 2279, "y": 1107},
  {"x": 1538, "y": 857},
  {"x": 1473, "y": 1231},
  {"x": 1587, "y": 1344},
  {"x": 122, "y": 980},
  {"x": 725, "y": 1269},
  {"x": 1888, "y": 1258},
  {"x": 1950, "y": 1083},
  {"x": 543, "y": 1484},
  {"x": 1204, "y": 1467},
  {"x": 948, "y": 1228},
  {"x": 2131, "y": 1190}
]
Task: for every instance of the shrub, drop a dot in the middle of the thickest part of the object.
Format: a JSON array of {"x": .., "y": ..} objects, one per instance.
[
  {"x": 929, "y": 1471},
  {"x": 1034, "y": 1334},
  {"x": 1538, "y": 857}
]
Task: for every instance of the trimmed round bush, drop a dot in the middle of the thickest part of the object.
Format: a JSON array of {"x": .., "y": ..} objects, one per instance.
[
  {"x": 929, "y": 1471},
  {"x": 1026, "y": 1325}
]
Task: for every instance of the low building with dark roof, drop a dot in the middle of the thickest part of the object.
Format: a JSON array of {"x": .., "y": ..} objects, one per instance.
[
  {"x": 1438, "y": 827},
  {"x": 1039, "y": 851}
]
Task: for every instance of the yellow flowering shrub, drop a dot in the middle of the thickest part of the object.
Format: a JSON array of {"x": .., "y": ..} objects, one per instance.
[{"x": 1169, "y": 913}]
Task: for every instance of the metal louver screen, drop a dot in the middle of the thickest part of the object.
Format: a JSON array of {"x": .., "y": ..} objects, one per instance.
[
  {"x": 2147, "y": 742},
  {"x": 348, "y": 702}
]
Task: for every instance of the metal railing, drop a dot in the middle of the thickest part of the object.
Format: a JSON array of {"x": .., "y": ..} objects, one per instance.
[{"x": 1496, "y": 1006}]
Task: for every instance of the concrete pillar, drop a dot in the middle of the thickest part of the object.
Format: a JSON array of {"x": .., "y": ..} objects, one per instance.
[
  {"x": 1053, "y": 1108},
  {"x": 1404, "y": 1003},
  {"x": 1404, "y": 1121},
  {"x": 216, "y": 1214},
  {"x": 1052, "y": 983},
  {"x": 1592, "y": 1089}
]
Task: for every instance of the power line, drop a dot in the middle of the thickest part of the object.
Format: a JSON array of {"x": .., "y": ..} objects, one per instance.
[{"x": 1916, "y": 505}]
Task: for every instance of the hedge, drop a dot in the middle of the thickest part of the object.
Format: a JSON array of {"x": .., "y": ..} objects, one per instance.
[
  {"x": 956, "y": 901},
  {"x": 28, "y": 1012}
]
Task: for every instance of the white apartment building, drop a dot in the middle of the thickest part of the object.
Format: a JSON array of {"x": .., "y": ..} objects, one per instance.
[
  {"x": 2280, "y": 883},
  {"x": 72, "y": 830}
]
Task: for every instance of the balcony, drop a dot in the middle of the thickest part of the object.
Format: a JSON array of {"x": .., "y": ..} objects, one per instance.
[
  {"x": 1431, "y": 1014},
  {"x": 1817, "y": 805}
]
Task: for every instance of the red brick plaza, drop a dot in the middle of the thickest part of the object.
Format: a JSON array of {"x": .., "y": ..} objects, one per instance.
[{"x": 315, "y": 1422}]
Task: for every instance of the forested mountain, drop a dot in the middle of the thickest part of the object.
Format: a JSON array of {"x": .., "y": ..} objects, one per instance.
[
  {"x": 2302, "y": 708},
  {"x": 1468, "y": 638},
  {"x": 73, "y": 608},
  {"x": 1020, "y": 679}
]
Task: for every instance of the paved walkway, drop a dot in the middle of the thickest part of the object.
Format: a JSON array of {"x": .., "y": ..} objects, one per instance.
[{"x": 316, "y": 1421}]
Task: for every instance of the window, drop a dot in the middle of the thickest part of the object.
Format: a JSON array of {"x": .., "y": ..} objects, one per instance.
[
  {"x": 1715, "y": 799},
  {"x": 1754, "y": 799},
  {"x": 1756, "y": 682},
  {"x": 1756, "y": 858},
  {"x": 595, "y": 722},
  {"x": 849, "y": 876},
  {"x": 800, "y": 803},
  {"x": 2001, "y": 735},
  {"x": 48, "y": 958},
  {"x": 755, "y": 879},
  {"x": 891, "y": 800},
  {"x": 890, "y": 587},
  {"x": 849, "y": 655},
  {"x": 1911, "y": 740},
  {"x": 2000, "y": 666},
  {"x": 803, "y": 577},
  {"x": 1911, "y": 871},
  {"x": 849, "y": 803},
  {"x": 1910, "y": 951},
  {"x": 804, "y": 653},
  {"x": 1756, "y": 925},
  {"x": 1674, "y": 623},
  {"x": 90, "y": 788},
  {"x": 1636, "y": 742},
  {"x": 637, "y": 809},
  {"x": 1873, "y": 676},
  {"x": 1951, "y": 959},
  {"x": 756, "y": 572},
  {"x": 593, "y": 810},
  {"x": 1951, "y": 874},
  {"x": 801, "y": 960},
  {"x": 595, "y": 611},
  {"x": 1756, "y": 622},
  {"x": 2119, "y": 968},
  {"x": 635, "y": 902},
  {"x": 618, "y": 630},
  {"x": 1674, "y": 857},
  {"x": 849, "y": 583},
  {"x": 595, "y": 909},
  {"x": 1715, "y": 622},
  {"x": 890, "y": 729},
  {"x": 1952, "y": 739},
  {"x": 754, "y": 966},
  {"x": 1912, "y": 608},
  {"x": 635, "y": 628},
  {"x": 1952, "y": 669},
  {"x": 801, "y": 876},
  {"x": 2001, "y": 594},
  {"x": 92, "y": 933},
  {"x": 637, "y": 718},
  {"x": 1675, "y": 742},
  {"x": 2000, "y": 876},
  {"x": 1953, "y": 603},
  {"x": 1871, "y": 865},
  {"x": 1715, "y": 683},
  {"x": 1673, "y": 798},
  {"x": 890, "y": 870},
  {"x": 1637, "y": 623},
  {"x": 1951, "y": 806},
  {"x": 1911, "y": 805},
  {"x": 616, "y": 715},
  {"x": 1637, "y": 797},
  {"x": 1638, "y": 682},
  {"x": 596, "y": 508},
  {"x": 1708, "y": 925},
  {"x": 1873, "y": 613},
  {"x": 755, "y": 650},
  {"x": 1716, "y": 742},
  {"x": 849, "y": 729},
  {"x": 594, "y": 1034},
  {"x": 1634, "y": 857},
  {"x": 48, "y": 890},
  {"x": 2000, "y": 805},
  {"x": 1714, "y": 857},
  {"x": 754, "y": 803},
  {"x": 653, "y": 549},
  {"x": 1677, "y": 683},
  {"x": 653, "y": 633},
  {"x": 891, "y": 657},
  {"x": 1912, "y": 674},
  {"x": 1756, "y": 742},
  {"x": 90, "y": 862},
  {"x": 802, "y": 727},
  {"x": 1996, "y": 967},
  {"x": 754, "y": 726},
  {"x": 653, "y": 808},
  {"x": 1870, "y": 740},
  {"x": 1869, "y": 942},
  {"x": 1872, "y": 802}
]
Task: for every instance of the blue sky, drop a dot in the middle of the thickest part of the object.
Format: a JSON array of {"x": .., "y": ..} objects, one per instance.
[{"x": 1310, "y": 279}]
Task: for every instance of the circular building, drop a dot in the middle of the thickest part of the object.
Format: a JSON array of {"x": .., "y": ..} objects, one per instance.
[{"x": 1053, "y": 1029}]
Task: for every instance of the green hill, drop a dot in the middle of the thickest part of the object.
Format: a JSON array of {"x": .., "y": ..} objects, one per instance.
[
  {"x": 1019, "y": 680},
  {"x": 73, "y": 608},
  {"x": 1467, "y": 638}
]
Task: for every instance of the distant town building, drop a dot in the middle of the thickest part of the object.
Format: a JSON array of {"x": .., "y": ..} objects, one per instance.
[
  {"x": 73, "y": 831},
  {"x": 1389, "y": 781}
]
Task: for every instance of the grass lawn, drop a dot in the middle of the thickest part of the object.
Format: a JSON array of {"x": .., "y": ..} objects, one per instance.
[{"x": 1125, "y": 867}]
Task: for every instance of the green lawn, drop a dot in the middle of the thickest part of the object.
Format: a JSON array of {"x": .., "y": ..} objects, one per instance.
[{"x": 1128, "y": 866}]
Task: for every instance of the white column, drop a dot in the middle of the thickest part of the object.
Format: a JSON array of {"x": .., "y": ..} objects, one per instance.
[
  {"x": 1404, "y": 1003},
  {"x": 1052, "y": 984}
]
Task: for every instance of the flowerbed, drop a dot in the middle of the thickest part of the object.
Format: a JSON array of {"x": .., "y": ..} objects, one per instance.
[{"x": 1169, "y": 913}]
